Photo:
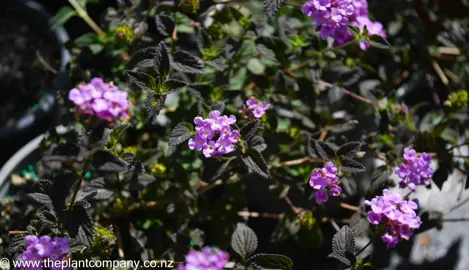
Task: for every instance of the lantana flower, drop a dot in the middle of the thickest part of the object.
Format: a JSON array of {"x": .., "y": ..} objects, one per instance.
[
  {"x": 415, "y": 170},
  {"x": 214, "y": 135},
  {"x": 44, "y": 248},
  {"x": 104, "y": 101},
  {"x": 331, "y": 17},
  {"x": 208, "y": 258},
  {"x": 397, "y": 216},
  {"x": 325, "y": 181},
  {"x": 256, "y": 107}
]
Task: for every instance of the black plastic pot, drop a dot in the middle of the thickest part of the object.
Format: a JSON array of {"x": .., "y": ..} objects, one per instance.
[
  {"x": 28, "y": 154},
  {"x": 37, "y": 120}
]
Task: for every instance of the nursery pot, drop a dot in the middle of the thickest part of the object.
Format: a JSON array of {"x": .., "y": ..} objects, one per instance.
[
  {"x": 31, "y": 73},
  {"x": 28, "y": 154}
]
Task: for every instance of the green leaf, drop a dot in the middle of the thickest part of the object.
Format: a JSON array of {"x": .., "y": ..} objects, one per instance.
[
  {"x": 204, "y": 41},
  {"x": 85, "y": 40},
  {"x": 256, "y": 66},
  {"x": 280, "y": 83},
  {"x": 162, "y": 63},
  {"x": 62, "y": 16},
  {"x": 258, "y": 143},
  {"x": 255, "y": 162},
  {"x": 221, "y": 170},
  {"x": 170, "y": 86},
  {"x": 324, "y": 150},
  {"x": 181, "y": 133},
  {"x": 349, "y": 165},
  {"x": 343, "y": 246},
  {"x": 79, "y": 223},
  {"x": 359, "y": 223},
  {"x": 335, "y": 93},
  {"x": 187, "y": 63},
  {"x": 143, "y": 80},
  {"x": 154, "y": 104},
  {"x": 379, "y": 42},
  {"x": 243, "y": 241},
  {"x": 103, "y": 161},
  {"x": 270, "y": 261},
  {"x": 96, "y": 48},
  {"x": 116, "y": 134},
  {"x": 238, "y": 80},
  {"x": 349, "y": 149},
  {"x": 164, "y": 24},
  {"x": 248, "y": 48},
  {"x": 248, "y": 130}
]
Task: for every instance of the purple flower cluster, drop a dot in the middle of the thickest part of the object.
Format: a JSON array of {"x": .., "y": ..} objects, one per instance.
[
  {"x": 256, "y": 107},
  {"x": 373, "y": 28},
  {"x": 332, "y": 17},
  {"x": 44, "y": 248},
  {"x": 206, "y": 259},
  {"x": 103, "y": 100},
  {"x": 396, "y": 214},
  {"x": 214, "y": 135},
  {"x": 415, "y": 170},
  {"x": 325, "y": 181}
]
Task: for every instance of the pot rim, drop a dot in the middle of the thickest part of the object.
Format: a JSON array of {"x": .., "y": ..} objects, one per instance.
[{"x": 11, "y": 165}]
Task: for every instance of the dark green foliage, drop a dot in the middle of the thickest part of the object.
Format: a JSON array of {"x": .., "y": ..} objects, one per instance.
[
  {"x": 186, "y": 62},
  {"x": 243, "y": 241},
  {"x": 164, "y": 24},
  {"x": 324, "y": 150},
  {"x": 272, "y": 6},
  {"x": 181, "y": 133},
  {"x": 248, "y": 130},
  {"x": 270, "y": 261},
  {"x": 254, "y": 161},
  {"x": 104, "y": 161},
  {"x": 343, "y": 247}
]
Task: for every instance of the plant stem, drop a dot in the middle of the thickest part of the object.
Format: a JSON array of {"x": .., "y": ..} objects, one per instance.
[
  {"x": 84, "y": 15},
  {"x": 349, "y": 207},
  {"x": 457, "y": 146},
  {"x": 16, "y": 232},
  {"x": 298, "y": 162},
  {"x": 351, "y": 94},
  {"x": 363, "y": 249},
  {"x": 80, "y": 179},
  {"x": 295, "y": 209},
  {"x": 352, "y": 42},
  {"x": 293, "y": 5},
  {"x": 455, "y": 220}
]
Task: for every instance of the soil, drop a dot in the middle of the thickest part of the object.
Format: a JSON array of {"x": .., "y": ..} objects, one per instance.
[{"x": 27, "y": 65}]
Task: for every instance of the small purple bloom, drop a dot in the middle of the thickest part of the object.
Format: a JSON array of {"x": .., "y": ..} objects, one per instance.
[
  {"x": 390, "y": 240},
  {"x": 252, "y": 103},
  {"x": 396, "y": 214},
  {"x": 335, "y": 191},
  {"x": 210, "y": 149},
  {"x": 330, "y": 16},
  {"x": 102, "y": 100},
  {"x": 414, "y": 170},
  {"x": 374, "y": 218},
  {"x": 44, "y": 248},
  {"x": 325, "y": 181},
  {"x": 256, "y": 107},
  {"x": 321, "y": 196},
  {"x": 214, "y": 135},
  {"x": 206, "y": 259},
  {"x": 197, "y": 143},
  {"x": 373, "y": 28}
]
